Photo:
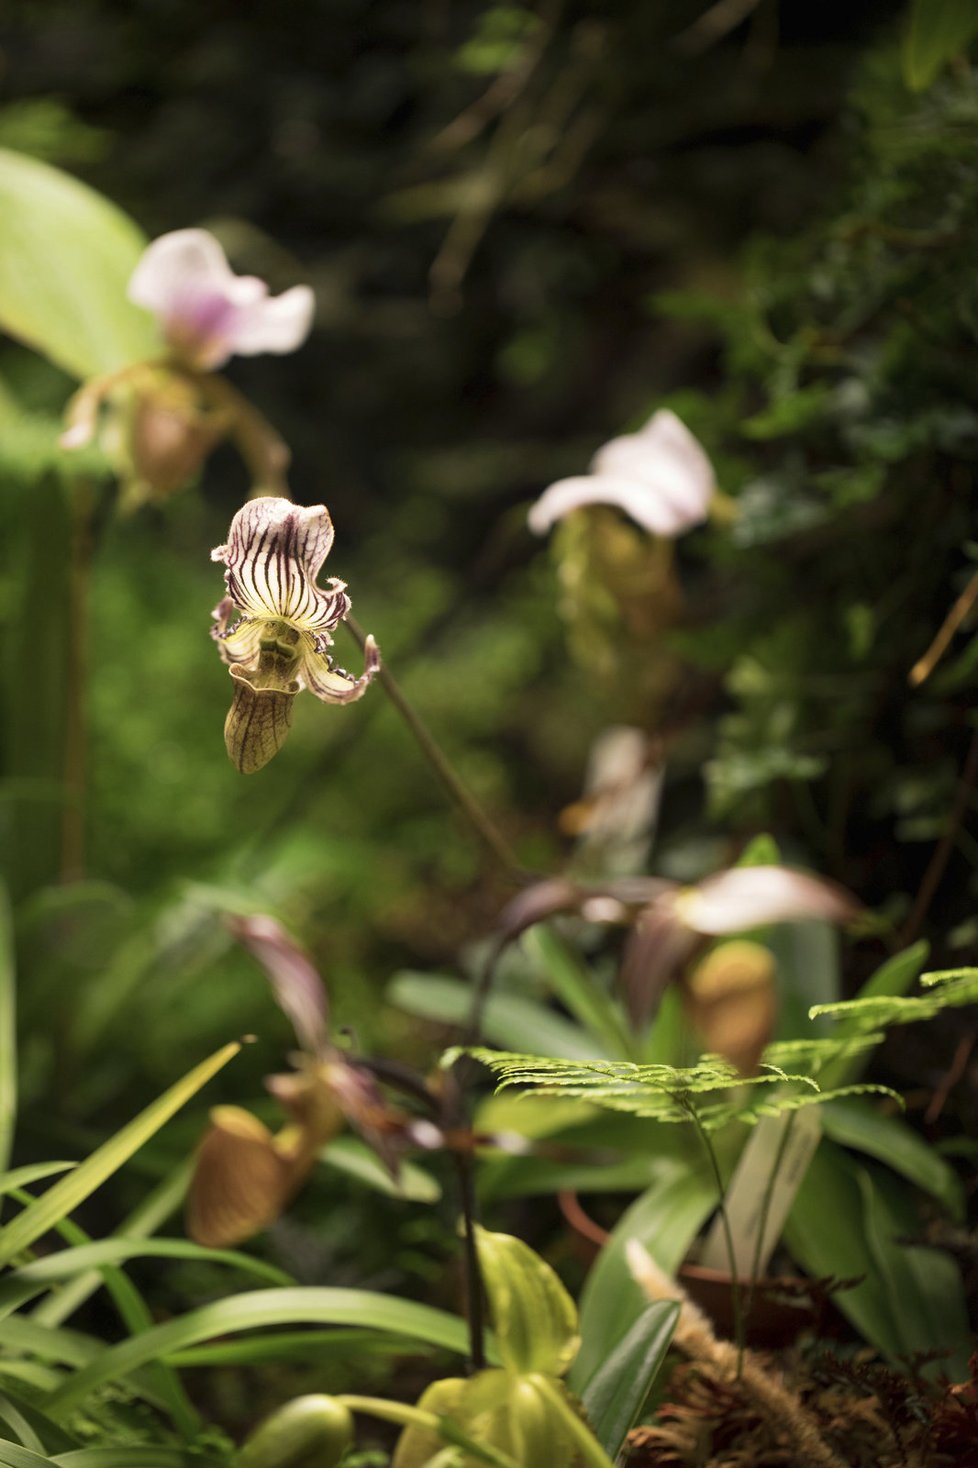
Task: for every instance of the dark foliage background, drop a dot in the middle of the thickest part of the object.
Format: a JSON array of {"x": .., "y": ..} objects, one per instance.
[{"x": 526, "y": 228}]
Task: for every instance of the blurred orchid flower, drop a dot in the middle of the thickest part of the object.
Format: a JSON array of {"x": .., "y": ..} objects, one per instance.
[
  {"x": 660, "y": 476},
  {"x": 244, "y": 1174},
  {"x": 668, "y": 920},
  {"x": 279, "y": 643},
  {"x": 206, "y": 312}
]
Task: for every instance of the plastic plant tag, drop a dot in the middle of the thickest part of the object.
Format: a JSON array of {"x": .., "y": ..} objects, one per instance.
[{"x": 771, "y": 1169}]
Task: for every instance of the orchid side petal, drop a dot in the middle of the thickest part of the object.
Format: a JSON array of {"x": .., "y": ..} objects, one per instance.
[
  {"x": 275, "y": 324},
  {"x": 331, "y": 684},
  {"x": 240, "y": 643},
  {"x": 273, "y": 554},
  {"x": 298, "y": 989},
  {"x": 751, "y": 897}
]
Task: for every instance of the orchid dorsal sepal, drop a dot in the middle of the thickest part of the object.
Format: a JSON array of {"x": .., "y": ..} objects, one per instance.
[
  {"x": 280, "y": 642},
  {"x": 207, "y": 313},
  {"x": 660, "y": 476}
]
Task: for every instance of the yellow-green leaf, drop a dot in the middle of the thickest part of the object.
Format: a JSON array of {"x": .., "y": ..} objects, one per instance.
[
  {"x": 66, "y": 255},
  {"x": 534, "y": 1317}
]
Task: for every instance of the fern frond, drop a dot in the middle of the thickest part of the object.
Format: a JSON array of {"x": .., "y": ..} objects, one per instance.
[{"x": 948, "y": 989}]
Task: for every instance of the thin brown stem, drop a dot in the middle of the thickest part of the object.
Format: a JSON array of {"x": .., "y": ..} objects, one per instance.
[
  {"x": 76, "y": 713},
  {"x": 469, "y": 807},
  {"x": 942, "y": 851}
]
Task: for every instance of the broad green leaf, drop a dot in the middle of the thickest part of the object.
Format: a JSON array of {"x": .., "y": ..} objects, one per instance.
[
  {"x": 616, "y": 1393},
  {"x": 8, "y": 1033},
  {"x": 66, "y": 1194},
  {"x": 354, "y": 1158},
  {"x": 508, "y": 1019},
  {"x": 534, "y": 1317},
  {"x": 937, "y": 30},
  {"x": 666, "y": 1219},
  {"x": 597, "y": 1012},
  {"x": 890, "y": 1140},
  {"x": 259, "y": 1309},
  {"x": 925, "y": 1286},
  {"x": 66, "y": 255},
  {"x": 826, "y": 1234}
]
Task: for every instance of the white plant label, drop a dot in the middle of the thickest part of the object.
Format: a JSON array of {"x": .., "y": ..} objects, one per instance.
[{"x": 795, "y": 1134}]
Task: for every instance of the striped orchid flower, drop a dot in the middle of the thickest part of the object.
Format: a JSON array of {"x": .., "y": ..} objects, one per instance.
[{"x": 273, "y": 628}]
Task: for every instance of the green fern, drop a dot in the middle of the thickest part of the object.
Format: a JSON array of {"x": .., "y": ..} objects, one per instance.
[
  {"x": 948, "y": 988},
  {"x": 676, "y": 1094}
]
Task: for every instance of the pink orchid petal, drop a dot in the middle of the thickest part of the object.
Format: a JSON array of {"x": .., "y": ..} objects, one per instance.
[
  {"x": 660, "y": 476},
  {"x": 751, "y": 897},
  {"x": 207, "y": 313},
  {"x": 652, "y": 511},
  {"x": 276, "y": 324}
]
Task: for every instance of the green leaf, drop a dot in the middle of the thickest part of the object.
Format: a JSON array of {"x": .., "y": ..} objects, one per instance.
[
  {"x": 937, "y": 30},
  {"x": 8, "y": 1032},
  {"x": 32, "y": 1172},
  {"x": 264, "y": 1308},
  {"x": 617, "y": 1391},
  {"x": 66, "y": 255},
  {"x": 355, "y": 1159},
  {"x": 534, "y": 1317},
  {"x": 596, "y": 1011},
  {"x": 508, "y": 1019},
  {"x": 131, "y": 1456},
  {"x": 13, "y": 1455},
  {"x": 890, "y": 1140},
  {"x": 925, "y": 1286},
  {"x": 825, "y": 1233},
  {"x": 66, "y": 1194},
  {"x": 39, "y": 1275},
  {"x": 666, "y": 1219},
  {"x": 344, "y": 1343}
]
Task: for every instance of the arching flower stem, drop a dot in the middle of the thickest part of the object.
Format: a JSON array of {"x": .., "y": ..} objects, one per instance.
[{"x": 467, "y": 804}]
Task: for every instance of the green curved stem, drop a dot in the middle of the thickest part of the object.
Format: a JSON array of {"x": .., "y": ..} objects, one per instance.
[
  {"x": 416, "y": 1417},
  {"x": 469, "y": 807}
]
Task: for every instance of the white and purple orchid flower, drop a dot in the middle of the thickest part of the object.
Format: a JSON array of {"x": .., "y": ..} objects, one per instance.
[
  {"x": 660, "y": 476},
  {"x": 206, "y": 312},
  {"x": 273, "y": 627}
]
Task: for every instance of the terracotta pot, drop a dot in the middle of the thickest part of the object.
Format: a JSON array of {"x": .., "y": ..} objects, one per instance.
[{"x": 781, "y": 1307}]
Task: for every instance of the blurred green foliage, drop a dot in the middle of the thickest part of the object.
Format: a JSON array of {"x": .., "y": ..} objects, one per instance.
[{"x": 526, "y": 226}]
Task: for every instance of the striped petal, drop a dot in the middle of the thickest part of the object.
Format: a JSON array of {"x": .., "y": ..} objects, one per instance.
[
  {"x": 273, "y": 555},
  {"x": 331, "y": 684},
  {"x": 237, "y": 642}
]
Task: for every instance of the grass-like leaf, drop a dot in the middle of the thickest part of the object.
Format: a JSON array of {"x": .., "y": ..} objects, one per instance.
[
  {"x": 257, "y": 1309},
  {"x": 68, "y": 1192}
]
